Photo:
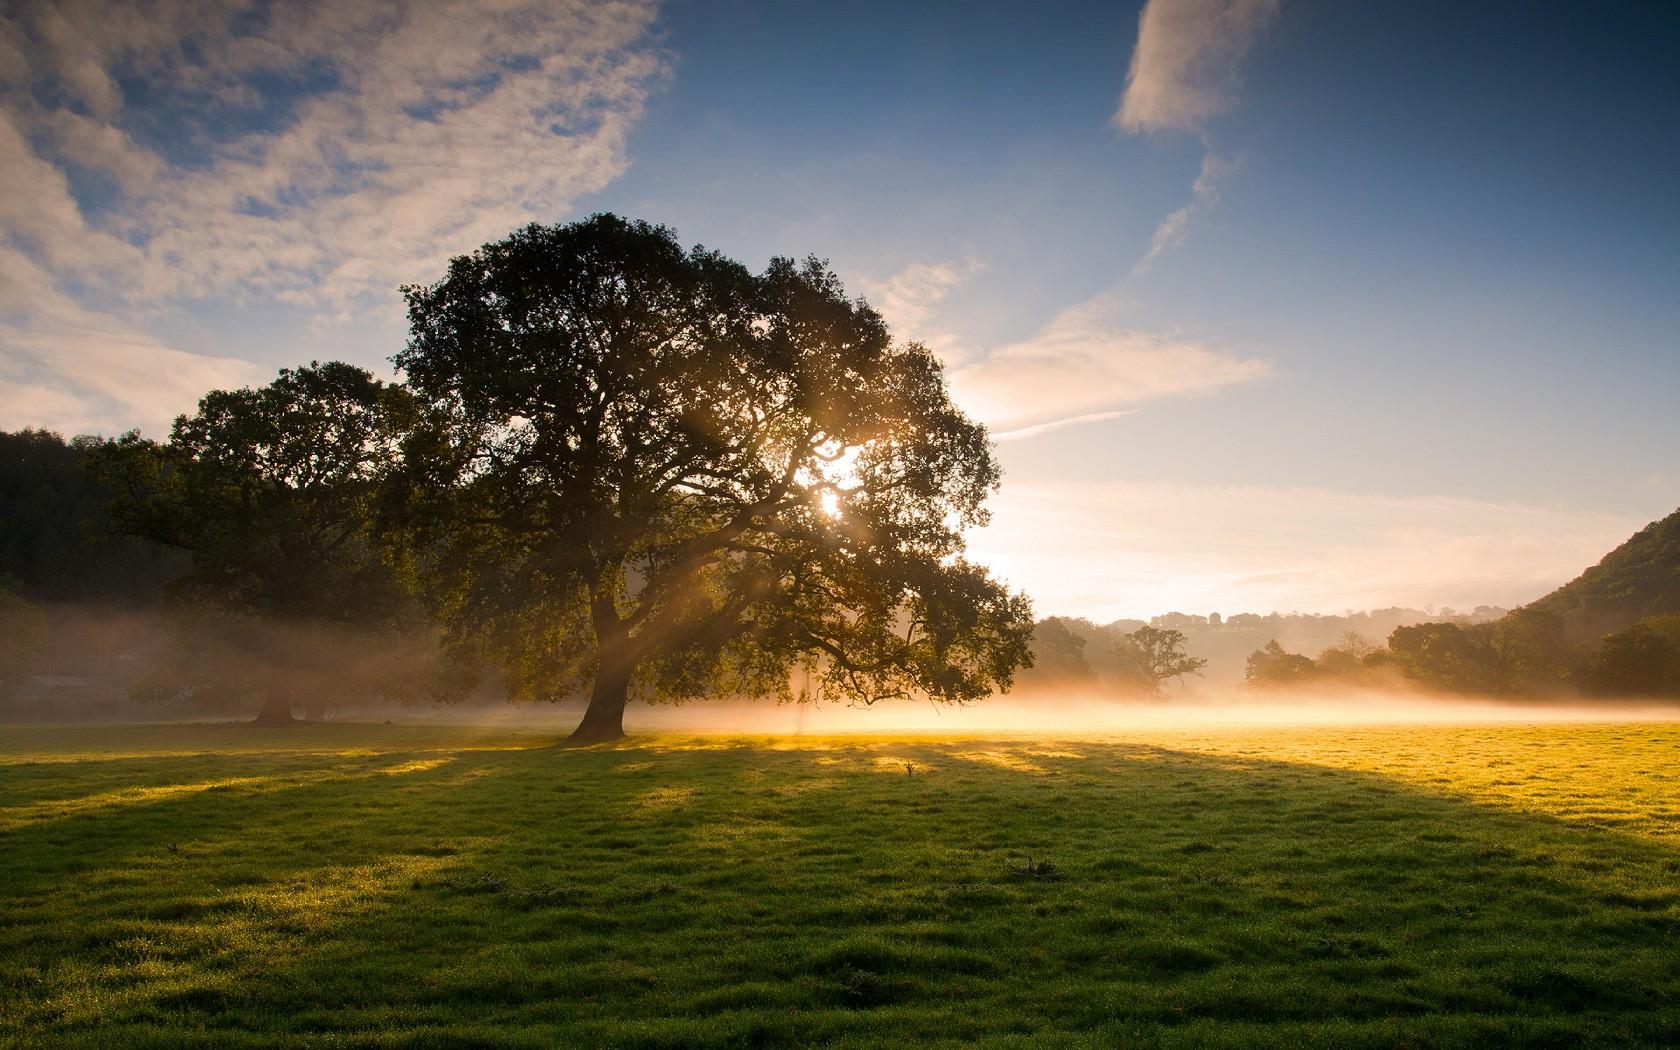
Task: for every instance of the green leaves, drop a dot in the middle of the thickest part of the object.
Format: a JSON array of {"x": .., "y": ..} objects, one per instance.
[
  {"x": 739, "y": 473},
  {"x": 279, "y": 493}
]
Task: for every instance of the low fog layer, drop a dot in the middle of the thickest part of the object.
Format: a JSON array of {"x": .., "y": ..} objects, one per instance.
[
  {"x": 91, "y": 665},
  {"x": 1064, "y": 714}
]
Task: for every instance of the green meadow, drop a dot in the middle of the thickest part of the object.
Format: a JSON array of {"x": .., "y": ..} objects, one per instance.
[{"x": 422, "y": 886}]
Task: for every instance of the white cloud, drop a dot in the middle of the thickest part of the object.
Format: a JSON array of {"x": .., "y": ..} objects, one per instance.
[
  {"x": 80, "y": 371},
  {"x": 1138, "y": 549},
  {"x": 1184, "y": 71},
  {"x": 1085, "y": 366},
  {"x": 101, "y": 378},
  {"x": 450, "y": 124},
  {"x": 39, "y": 215},
  {"x": 103, "y": 148},
  {"x": 1035, "y": 429},
  {"x": 1185, "y": 64},
  {"x": 909, "y": 300},
  {"x": 314, "y": 154}
]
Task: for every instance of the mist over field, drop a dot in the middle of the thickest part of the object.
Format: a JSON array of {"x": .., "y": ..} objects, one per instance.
[
  {"x": 100, "y": 666},
  {"x": 1071, "y": 714}
]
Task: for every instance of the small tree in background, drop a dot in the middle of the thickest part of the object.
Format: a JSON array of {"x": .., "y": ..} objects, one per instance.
[
  {"x": 1642, "y": 661},
  {"x": 1272, "y": 666},
  {"x": 274, "y": 492},
  {"x": 21, "y": 633},
  {"x": 1058, "y": 653},
  {"x": 1349, "y": 658},
  {"x": 1531, "y": 653},
  {"x": 1150, "y": 657}
]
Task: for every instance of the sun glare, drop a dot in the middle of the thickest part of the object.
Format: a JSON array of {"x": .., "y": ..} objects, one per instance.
[{"x": 833, "y": 476}]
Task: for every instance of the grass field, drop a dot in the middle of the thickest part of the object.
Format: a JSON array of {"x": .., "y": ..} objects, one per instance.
[{"x": 346, "y": 885}]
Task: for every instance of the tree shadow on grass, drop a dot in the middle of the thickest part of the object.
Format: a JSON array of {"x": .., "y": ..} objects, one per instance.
[{"x": 680, "y": 895}]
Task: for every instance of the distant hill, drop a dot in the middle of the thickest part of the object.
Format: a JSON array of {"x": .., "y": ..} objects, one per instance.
[{"x": 1638, "y": 579}]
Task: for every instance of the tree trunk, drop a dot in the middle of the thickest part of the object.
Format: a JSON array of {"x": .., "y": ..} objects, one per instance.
[
  {"x": 603, "y": 719},
  {"x": 276, "y": 709}
]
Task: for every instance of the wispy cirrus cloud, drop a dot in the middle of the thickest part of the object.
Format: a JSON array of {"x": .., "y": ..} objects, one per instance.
[
  {"x": 1204, "y": 193},
  {"x": 340, "y": 148},
  {"x": 1084, "y": 366},
  {"x": 1186, "y": 62},
  {"x": 316, "y": 154},
  {"x": 1184, "y": 71},
  {"x": 1031, "y": 430},
  {"x": 910, "y": 300}
]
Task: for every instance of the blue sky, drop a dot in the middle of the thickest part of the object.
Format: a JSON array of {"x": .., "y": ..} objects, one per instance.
[{"x": 1272, "y": 303}]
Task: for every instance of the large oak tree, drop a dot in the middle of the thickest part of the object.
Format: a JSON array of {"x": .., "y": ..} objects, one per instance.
[{"x": 650, "y": 472}]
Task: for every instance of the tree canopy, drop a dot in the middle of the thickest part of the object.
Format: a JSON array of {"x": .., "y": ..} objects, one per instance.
[
  {"x": 57, "y": 540},
  {"x": 1058, "y": 652},
  {"x": 1150, "y": 657},
  {"x": 1642, "y": 661},
  {"x": 274, "y": 492},
  {"x": 1272, "y": 666},
  {"x": 655, "y": 472}
]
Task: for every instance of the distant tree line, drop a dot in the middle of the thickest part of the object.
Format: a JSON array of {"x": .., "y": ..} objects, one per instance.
[
  {"x": 75, "y": 589},
  {"x": 58, "y": 541},
  {"x": 1612, "y": 631},
  {"x": 1546, "y": 648},
  {"x": 1145, "y": 660},
  {"x": 206, "y": 580},
  {"x": 1115, "y": 657},
  {"x": 1524, "y": 654}
]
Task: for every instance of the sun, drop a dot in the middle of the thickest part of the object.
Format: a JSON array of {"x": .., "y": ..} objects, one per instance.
[{"x": 833, "y": 477}]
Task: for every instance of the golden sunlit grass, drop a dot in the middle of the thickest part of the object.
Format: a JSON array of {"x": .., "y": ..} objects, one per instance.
[{"x": 426, "y": 886}]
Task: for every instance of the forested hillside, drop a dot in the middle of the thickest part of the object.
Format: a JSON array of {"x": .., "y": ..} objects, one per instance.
[{"x": 1637, "y": 580}]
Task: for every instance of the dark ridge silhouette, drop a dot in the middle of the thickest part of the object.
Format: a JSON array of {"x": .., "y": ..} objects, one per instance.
[{"x": 1639, "y": 579}]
